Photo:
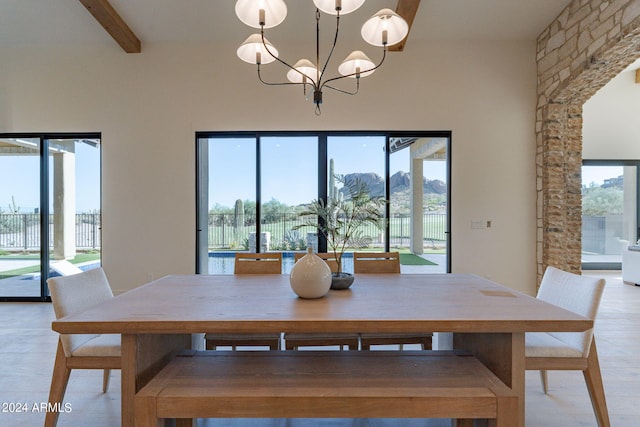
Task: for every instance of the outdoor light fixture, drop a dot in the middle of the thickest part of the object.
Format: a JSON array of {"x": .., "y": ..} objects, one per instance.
[{"x": 383, "y": 29}]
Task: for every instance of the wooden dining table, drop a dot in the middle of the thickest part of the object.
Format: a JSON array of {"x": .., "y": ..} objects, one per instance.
[{"x": 158, "y": 319}]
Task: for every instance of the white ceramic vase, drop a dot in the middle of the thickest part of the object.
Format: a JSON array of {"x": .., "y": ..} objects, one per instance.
[{"x": 310, "y": 276}]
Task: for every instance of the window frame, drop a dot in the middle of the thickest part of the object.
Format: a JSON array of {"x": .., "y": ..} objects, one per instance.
[{"x": 322, "y": 137}]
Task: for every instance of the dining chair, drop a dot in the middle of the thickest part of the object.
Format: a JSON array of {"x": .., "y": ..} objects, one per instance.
[
  {"x": 249, "y": 263},
  {"x": 262, "y": 263},
  {"x": 570, "y": 350},
  {"x": 376, "y": 262},
  {"x": 386, "y": 262},
  {"x": 328, "y": 257},
  {"x": 72, "y": 294},
  {"x": 293, "y": 341}
]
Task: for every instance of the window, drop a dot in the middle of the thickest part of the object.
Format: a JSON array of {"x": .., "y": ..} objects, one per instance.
[
  {"x": 252, "y": 186},
  {"x": 49, "y": 210},
  {"x": 609, "y": 211}
]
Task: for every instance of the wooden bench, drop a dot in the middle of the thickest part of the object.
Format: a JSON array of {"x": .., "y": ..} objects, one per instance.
[{"x": 327, "y": 384}]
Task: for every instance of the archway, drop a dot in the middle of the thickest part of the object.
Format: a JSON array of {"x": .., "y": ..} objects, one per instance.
[{"x": 582, "y": 50}]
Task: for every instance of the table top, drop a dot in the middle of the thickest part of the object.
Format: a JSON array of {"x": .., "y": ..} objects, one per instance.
[{"x": 374, "y": 303}]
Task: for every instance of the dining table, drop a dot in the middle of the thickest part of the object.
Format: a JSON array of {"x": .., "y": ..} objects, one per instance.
[{"x": 159, "y": 319}]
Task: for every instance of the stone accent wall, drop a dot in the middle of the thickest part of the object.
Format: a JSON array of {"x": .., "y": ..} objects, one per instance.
[{"x": 589, "y": 43}]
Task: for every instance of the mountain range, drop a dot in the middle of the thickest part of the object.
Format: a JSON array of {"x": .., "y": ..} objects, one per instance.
[{"x": 399, "y": 182}]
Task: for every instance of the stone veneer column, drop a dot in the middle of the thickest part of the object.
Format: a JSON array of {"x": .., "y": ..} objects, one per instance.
[{"x": 589, "y": 43}]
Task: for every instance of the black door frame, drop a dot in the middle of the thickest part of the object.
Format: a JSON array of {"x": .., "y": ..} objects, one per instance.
[
  {"x": 322, "y": 173},
  {"x": 44, "y": 139}
]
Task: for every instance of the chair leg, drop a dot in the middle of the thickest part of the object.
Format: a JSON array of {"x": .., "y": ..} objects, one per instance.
[
  {"x": 59, "y": 381},
  {"x": 544, "y": 379},
  {"x": 105, "y": 380},
  {"x": 593, "y": 378}
]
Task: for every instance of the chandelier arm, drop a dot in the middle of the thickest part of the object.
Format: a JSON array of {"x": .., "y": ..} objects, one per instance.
[
  {"x": 313, "y": 82},
  {"x": 344, "y": 91},
  {"x": 280, "y": 83},
  {"x": 384, "y": 55},
  {"x": 335, "y": 41}
]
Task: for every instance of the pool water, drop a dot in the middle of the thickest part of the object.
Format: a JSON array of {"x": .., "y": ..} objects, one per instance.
[{"x": 222, "y": 262}]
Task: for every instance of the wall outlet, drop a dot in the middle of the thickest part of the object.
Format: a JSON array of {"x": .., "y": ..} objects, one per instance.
[{"x": 478, "y": 224}]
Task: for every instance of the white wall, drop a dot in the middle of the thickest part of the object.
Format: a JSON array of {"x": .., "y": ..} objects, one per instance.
[
  {"x": 149, "y": 105},
  {"x": 611, "y": 129}
]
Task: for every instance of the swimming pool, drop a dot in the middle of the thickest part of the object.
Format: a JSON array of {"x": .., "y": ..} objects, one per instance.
[{"x": 222, "y": 262}]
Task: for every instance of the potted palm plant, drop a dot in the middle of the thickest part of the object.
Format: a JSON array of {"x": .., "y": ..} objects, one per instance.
[{"x": 341, "y": 220}]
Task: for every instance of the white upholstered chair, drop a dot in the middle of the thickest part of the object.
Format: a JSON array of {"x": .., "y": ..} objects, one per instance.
[
  {"x": 72, "y": 294},
  {"x": 630, "y": 263},
  {"x": 570, "y": 350}
]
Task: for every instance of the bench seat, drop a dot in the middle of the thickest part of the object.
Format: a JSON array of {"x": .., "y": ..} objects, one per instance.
[{"x": 325, "y": 384}]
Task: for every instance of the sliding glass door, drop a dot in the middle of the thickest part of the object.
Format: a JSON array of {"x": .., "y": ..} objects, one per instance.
[
  {"x": 288, "y": 181},
  {"x": 251, "y": 188},
  {"x": 419, "y": 201},
  {"x": 358, "y": 159},
  {"x": 20, "y": 259},
  {"x": 49, "y": 210},
  {"x": 609, "y": 211}
]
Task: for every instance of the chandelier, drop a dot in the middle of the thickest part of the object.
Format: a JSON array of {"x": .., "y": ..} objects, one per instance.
[{"x": 385, "y": 28}]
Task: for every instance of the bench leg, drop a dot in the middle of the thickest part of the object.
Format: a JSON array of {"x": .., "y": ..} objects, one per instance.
[
  {"x": 146, "y": 413},
  {"x": 185, "y": 422},
  {"x": 507, "y": 412}
]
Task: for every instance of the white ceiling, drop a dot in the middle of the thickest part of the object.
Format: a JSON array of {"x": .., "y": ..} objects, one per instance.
[{"x": 50, "y": 22}]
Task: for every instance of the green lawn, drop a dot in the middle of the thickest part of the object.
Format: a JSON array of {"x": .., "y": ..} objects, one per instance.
[{"x": 78, "y": 259}]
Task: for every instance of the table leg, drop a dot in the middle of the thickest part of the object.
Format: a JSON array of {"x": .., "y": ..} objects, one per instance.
[
  {"x": 503, "y": 354},
  {"x": 142, "y": 357}
]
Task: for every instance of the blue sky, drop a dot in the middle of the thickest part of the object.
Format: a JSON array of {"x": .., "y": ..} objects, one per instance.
[
  {"x": 597, "y": 174},
  {"x": 289, "y": 169},
  {"x": 20, "y": 176}
]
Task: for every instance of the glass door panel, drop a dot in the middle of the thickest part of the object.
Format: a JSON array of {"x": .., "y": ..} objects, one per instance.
[
  {"x": 358, "y": 158},
  {"x": 256, "y": 185},
  {"x": 289, "y": 180},
  {"x": 227, "y": 202},
  {"x": 609, "y": 212},
  {"x": 74, "y": 205},
  {"x": 20, "y": 217},
  {"x": 418, "y": 202}
]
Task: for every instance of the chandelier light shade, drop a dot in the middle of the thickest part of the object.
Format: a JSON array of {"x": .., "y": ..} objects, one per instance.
[
  {"x": 355, "y": 63},
  {"x": 261, "y": 13},
  {"x": 254, "y": 50},
  {"x": 344, "y": 6},
  {"x": 303, "y": 71},
  {"x": 383, "y": 29}
]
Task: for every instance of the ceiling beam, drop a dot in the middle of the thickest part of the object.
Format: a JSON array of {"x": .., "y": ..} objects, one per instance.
[
  {"x": 107, "y": 16},
  {"x": 407, "y": 9}
]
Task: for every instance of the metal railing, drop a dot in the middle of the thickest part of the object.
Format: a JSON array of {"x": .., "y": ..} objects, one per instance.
[
  {"x": 21, "y": 231},
  {"x": 230, "y": 232}
]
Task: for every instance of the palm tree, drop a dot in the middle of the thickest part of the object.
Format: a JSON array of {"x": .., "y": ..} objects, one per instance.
[{"x": 341, "y": 219}]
